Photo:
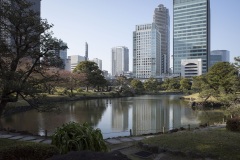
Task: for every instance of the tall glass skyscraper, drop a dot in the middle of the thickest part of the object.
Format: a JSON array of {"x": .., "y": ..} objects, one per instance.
[
  {"x": 162, "y": 19},
  {"x": 191, "y": 32},
  {"x": 219, "y": 56},
  {"x": 146, "y": 51}
]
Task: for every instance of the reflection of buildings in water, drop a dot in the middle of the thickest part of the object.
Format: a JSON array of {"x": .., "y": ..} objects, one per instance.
[
  {"x": 119, "y": 116},
  {"x": 152, "y": 115},
  {"x": 142, "y": 117},
  {"x": 189, "y": 117}
]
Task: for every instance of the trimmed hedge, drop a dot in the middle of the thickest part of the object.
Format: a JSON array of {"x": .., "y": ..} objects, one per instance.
[
  {"x": 36, "y": 151},
  {"x": 233, "y": 124}
]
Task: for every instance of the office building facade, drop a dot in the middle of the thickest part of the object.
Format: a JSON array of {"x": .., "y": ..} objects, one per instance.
[
  {"x": 99, "y": 62},
  {"x": 162, "y": 20},
  {"x": 75, "y": 60},
  {"x": 191, "y": 68},
  {"x": 120, "y": 60},
  {"x": 219, "y": 56},
  {"x": 191, "y": 32},
  {"x": 146, "y": 51}
]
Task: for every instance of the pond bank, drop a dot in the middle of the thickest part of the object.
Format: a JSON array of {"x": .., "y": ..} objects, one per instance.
[{"x": 48, "y": 100}]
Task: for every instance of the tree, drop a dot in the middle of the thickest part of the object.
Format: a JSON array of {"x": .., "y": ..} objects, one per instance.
[
  {"x": 171, "y": 84},
  {"x": 71, "y": 80},
  {"x": 137, "y": 85},
  {"x": 26, "y": 40},
  {"x": 221, "y": 82},
  {"x": 223, "y": 79},
  {"x": 185, "y": 84},
  {"x": 151, "y": 85},
  {"x": 94, "y": 76}
]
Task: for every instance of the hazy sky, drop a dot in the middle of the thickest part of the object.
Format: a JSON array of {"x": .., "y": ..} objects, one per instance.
[{"x": 104, "y": 24}]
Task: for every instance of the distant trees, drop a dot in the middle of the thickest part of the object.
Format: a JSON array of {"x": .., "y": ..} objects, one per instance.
[
  {"x": 71, "y": 81},
  {"x": 94, "y": 76},
  {"x": 172, "y": 84},
  {"x": 137, "y": 85},
  {"x": 151, "y": 85},
  {"x": 25, "y": 40},
  {"x": 185, "y": 84}
]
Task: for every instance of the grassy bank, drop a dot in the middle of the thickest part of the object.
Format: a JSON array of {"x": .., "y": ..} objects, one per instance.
[
  {"x": 195, "y": 97},
  {"x": 218, "y": 143}
]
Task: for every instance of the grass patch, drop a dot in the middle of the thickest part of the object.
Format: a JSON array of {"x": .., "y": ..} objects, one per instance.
[
  {"x": 197, "y": 98},
  {"x": 218, "y": 142}
]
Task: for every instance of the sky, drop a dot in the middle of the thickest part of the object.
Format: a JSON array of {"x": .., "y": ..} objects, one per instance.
[{"x": 104, "y": 24}]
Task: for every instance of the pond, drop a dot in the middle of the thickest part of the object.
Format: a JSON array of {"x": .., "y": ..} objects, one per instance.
[{"x": 117, "y": 116}]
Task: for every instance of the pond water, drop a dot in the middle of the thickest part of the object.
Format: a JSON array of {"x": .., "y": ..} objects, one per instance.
[{"x": 115, "y": 117}]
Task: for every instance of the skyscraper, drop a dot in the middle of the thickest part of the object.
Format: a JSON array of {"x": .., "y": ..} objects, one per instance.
[
  {"x": 120, "y": 60},
  {"x": 191, "y": 32},
  {"x": 146, "y": 51},
  {"x": 219, "y": 56},
  {"x": 162, "y": 20},
  {"x": 75, "y": 60},
  {"x": 86, "y": 51},
  {"x": 99, "y": 62}
]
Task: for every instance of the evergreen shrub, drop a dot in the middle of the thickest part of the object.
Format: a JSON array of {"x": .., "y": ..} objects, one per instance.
[{"x": 233, "y": 124}]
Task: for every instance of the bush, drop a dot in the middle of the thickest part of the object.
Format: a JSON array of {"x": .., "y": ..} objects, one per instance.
[
  {"x": 34, "y": 151},
  {"x": 79, "y": 90},
  {"x": 75, "y": 137},
  {"x": 233, "y": 124}
]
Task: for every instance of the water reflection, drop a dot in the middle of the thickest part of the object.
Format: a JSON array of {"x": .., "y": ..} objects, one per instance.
[{"x": 115, "y": 117}]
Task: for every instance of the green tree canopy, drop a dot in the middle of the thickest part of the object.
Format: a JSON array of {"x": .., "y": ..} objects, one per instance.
[
  {"x": 151, "y": 85},
  {"x": 221, "y": 82},
  {"x": 137, "y": 85},
  {"x": 94, "y": 76},
  {"x": 185, "y": 84},
  {"x": 171, "y": 84},
  {"x": 25, "y": 39}
]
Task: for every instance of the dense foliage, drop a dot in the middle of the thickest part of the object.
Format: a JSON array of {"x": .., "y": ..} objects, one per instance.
[
  {"x": 75, "y": 137},
  {"x": 137, "y": 85},
  {"x": 29, "y": 151},
  {"x": 25, "y": 41},
  {"x": 221, "y": 82},
  {"x": 233, "y": 124},
  {"x": 94, "y": 76}
]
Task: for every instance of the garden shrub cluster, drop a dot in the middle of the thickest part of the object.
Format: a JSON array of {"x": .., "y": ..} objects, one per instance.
[
  {"x": 233, "y": 124},
  {"x": 29, "y": 151},
  {"x": 76, "y": 137}
]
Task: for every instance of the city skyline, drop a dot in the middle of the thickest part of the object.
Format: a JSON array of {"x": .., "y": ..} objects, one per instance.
[{"x": 107, "y": 24}]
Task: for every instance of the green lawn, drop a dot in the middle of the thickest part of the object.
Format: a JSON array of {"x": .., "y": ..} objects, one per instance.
[{"x": 219, "y": 142}]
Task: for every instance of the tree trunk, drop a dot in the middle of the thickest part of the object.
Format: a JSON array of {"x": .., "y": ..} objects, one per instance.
[
  {"x": 2, "y": 107},
  {"x": 3, "y": 104},
  {"x": 87, "y": 88},
  {"x": 71, "y": 92}
]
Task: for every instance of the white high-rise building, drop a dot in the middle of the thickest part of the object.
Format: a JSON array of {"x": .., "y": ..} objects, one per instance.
[
  {"x": 75, "y": 60},
  {"x": 162, "y": 19},
  {"x": 219, "y": 56},
  {"x": 99, "y": 62},
  {"x": 146, "y": 51},
  {"x": 120, "y": 60}
]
